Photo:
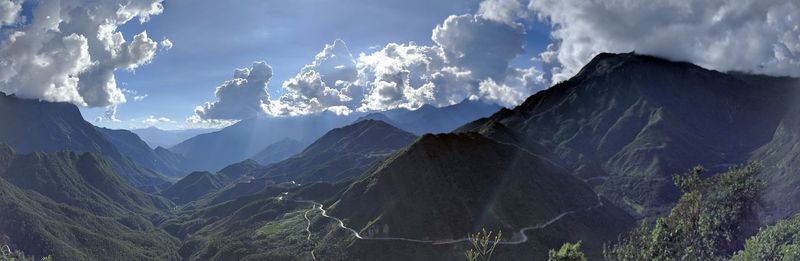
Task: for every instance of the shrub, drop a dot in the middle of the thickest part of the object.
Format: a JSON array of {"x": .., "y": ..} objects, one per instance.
[
  {"x": 709, "y": 222},
  {"x": 567, "y": 252}
]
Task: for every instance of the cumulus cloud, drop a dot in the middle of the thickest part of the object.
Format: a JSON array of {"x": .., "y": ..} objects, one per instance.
[
  {"x": 760, "y": 36},
  {"x": 70, "y": 49},
  {"x": 506, "y": 11},
  {"x": 469, "y": 50},
  {"x": 394, "y": 76},
  {"x": 470, "y": 59},
  {"x": 9, "y": 11},
  {"x": 166, "y": 44},
  {"x": 324, "y": 83},
  {"x": 483, "y": 46},
  {"x": 245, "y": 96}
]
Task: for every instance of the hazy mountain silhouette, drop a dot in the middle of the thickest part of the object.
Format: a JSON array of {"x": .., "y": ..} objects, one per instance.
[{"x": 38, "y": 126}]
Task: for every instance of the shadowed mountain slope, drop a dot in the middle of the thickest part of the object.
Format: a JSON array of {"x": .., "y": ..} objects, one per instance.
[
  {"x": 341, "y": 153},
  {"x": 446, "y": 186},
  {"x": 278, "y": 151},
  {"x": 76, "y": 208},
  {"x": 628, "y": 122},
  {"x": 37, "y": 126}
]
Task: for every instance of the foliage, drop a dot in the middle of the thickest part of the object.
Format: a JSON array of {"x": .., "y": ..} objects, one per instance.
[
  {"x": 6, "y": 254},
  {"x": 567, "y": 252},
  {"x": 775, "y": 243},
  {"x": 483, "y": 245},
  {"x": 709, "y": 221}
]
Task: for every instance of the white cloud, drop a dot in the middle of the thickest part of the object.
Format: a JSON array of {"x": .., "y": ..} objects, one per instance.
[
  {"x": 470, "y": 60},
  {"x": 195, "y": 122},
  {"x": 166, "y": 44},
  {"x": 153, "y": 120},
  {"x": 325, "y": 83},
  {"x": 9, "y": 11},
  {"x": 110, "y": 115},
  {"x": 506, "y": 11},
  {"x": 483, "y": 46},
  {"x": 469, "y": 50},
  {"x": 394, "y": 76},
  {"x": 240, "y": 98},
  {"x": 71, "y": 48},
  {"x": 760, "y": 36},
  {"x": 135, "y": 94}
]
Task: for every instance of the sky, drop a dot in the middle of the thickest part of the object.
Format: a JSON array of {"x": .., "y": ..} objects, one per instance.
[{"x": 198, "y": 63}]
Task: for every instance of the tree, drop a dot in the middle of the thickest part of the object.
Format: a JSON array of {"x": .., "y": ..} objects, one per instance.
[
  {"x": 567, "y": 252},
  {"x": 778, "y": 242},
  {"x": 483, "y": 245},
  {"x": 710, "y": 221}
]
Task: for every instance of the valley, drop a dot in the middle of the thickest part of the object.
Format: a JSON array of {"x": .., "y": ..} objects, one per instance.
[{"x": 584, "y": 161}]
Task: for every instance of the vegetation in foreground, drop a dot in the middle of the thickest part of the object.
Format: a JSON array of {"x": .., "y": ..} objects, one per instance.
[{"x": 710, "y": 222}]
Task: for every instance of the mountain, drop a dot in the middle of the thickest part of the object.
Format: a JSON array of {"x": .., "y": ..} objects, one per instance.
[
  {"x": 213, "y": 151},
  {"x": 75, "y": 207},
  {"x": 378, "y": 117},
  {"x": 278, "y": 151},
  {"x": 193, "y": 186},
  {"x": 130, "y": 145},
  {"x": 628, "y": 122},
  {"x": 38, "y": 126},
  {"x": 171, "y": 158},
  {"x": 155, "y": 137},
  {"x": 430, "y": 119},
  {"x": 446, "y": 186},
  {"x": 781, "y": 156},
  {"x": 341, "y": 153},
  {"x": 199, "y": 184}
]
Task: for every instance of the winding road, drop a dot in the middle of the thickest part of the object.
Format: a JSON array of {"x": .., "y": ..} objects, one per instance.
[
  {"x": 308, "y": 230},
  {"x": 443, "y": 241}
]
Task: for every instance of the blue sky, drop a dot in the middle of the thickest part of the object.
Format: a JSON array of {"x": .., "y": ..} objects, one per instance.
[
  {"x": 211, "y": 38},
  {"x": 392, "y": 54}
]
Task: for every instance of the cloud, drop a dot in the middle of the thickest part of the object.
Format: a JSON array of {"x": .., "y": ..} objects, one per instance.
[
  {"x": 110, "y": 115},
  {"x": 139, "y": 97},
  {"x": 9, "y": 11},
  {"x": 240, "y": 98},
  {"x": 469, "y": 50},
  {"x": 506, "y": 11},
  {"x": 470, "y": 60},
  {"x": 395, "y": 76},
  {"x": 324, "y": 83},
  {"x": 195, "y": 122},
  {"x": 483, "y": 46},
  {"x": 70, "y": 49},
  {"x": 760, "y": 36},
  {"x": 135, "y": 94},
  {"x": 166, "y": 44},
  {"x": 153, "y": 120}
]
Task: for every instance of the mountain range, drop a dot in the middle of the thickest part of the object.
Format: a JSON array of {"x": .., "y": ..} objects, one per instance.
[
  {"x": 38, "y": 126},
  {"x": 626, "y": 123},
  {"x": 249, "y": 138},
  {"x": 580, "y": 161},
  {"x": 75, "y": 207},
  {"x": 155, "y": 137},
  {"x": 443, "y": 187}
]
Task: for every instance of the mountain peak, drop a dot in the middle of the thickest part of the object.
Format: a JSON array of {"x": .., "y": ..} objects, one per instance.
[
  {"x": 367, "y": 134},
  {"x": 425, "y": 185},
  {"x": 605, "y": 63}
]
